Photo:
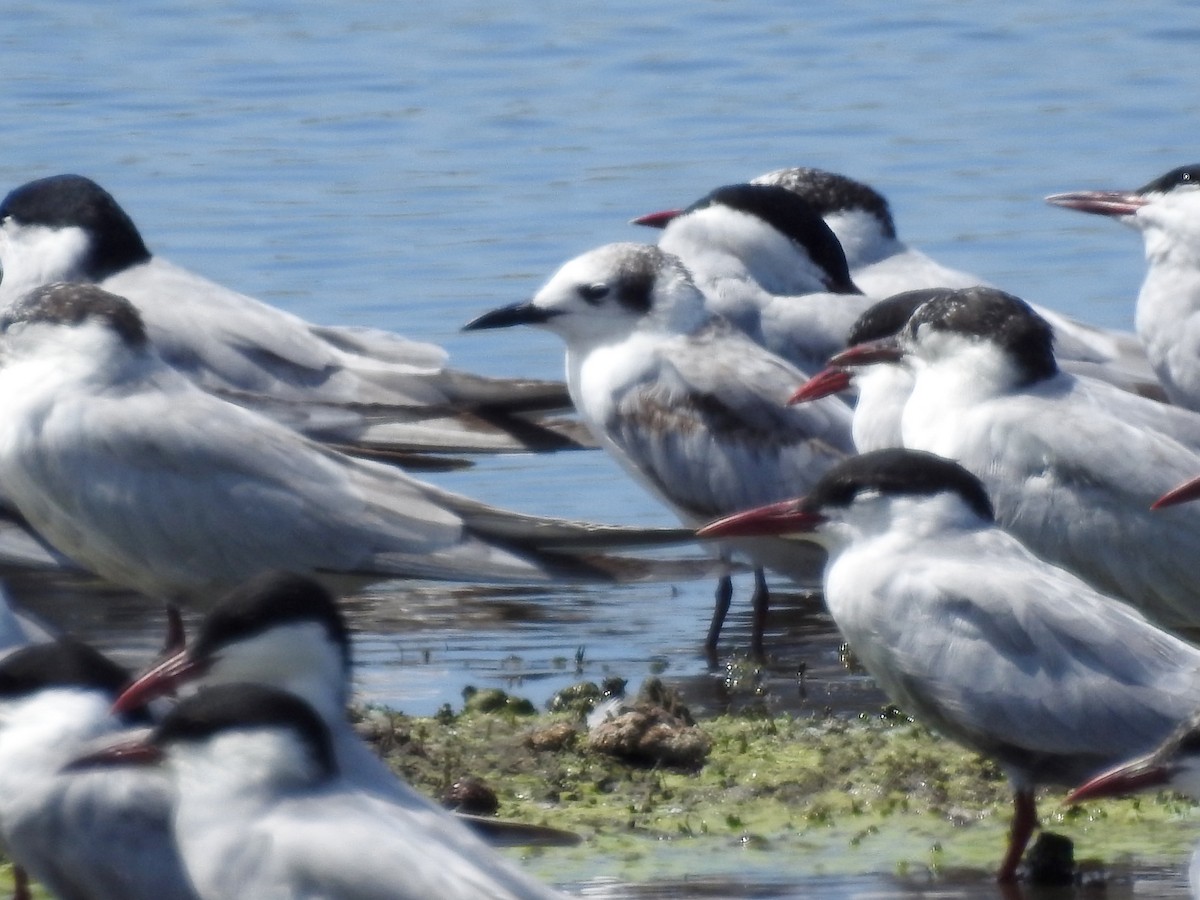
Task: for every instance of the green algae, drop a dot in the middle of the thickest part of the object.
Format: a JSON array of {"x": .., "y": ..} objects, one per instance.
[{"x": 781, "y": 795}]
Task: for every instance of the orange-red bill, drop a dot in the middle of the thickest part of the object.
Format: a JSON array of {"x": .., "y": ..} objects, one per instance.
[
  {"x": 1184, "y": 493},
  {"x": 1101, "y": 203},
  {"x": 868, "y": 353},
  {"x": 161, "y": 680},
  {"x": 1130, "y": 778},
  {"x": 831, "y": 380},
  {"x": 786, "y": 517},
  {"x": 656, "y": 219}
]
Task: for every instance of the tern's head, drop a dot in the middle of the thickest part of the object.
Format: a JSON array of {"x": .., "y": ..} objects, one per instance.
[
  {"x": 867, "y": 494},
  {"x": 44, "y": 317},
  {"x": 607, "y": 294},
  {"x": 64, "y": 678},
  {"x": 775, "y": 236},
  {"x": 1166, "y": 211},
  {"x": 1175, "y": 765},
  {"x": 233, "y": 739},
  {"x": 984, "y": 334},
  {"x": 277, "y": 629},
  {"x": 64, "y": 228},
  {"x": 857, "y": 213}
]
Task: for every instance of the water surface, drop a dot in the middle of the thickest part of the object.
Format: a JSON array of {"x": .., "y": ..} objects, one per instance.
[{"x": 407, "y": 166}]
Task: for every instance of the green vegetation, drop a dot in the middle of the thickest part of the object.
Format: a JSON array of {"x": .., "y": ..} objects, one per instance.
[{"x": 796, "y": 796}]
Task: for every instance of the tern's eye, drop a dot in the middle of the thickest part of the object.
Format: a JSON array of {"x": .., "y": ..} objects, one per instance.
[{"x": 593, "y": 293}]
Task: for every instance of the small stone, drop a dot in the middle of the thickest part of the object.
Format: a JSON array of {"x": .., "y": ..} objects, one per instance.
[
  {"x": 651, "y": 736},
  {"x": 1051, "y": 860},
  {"x": 471, "y": 795},
  {"x": 559, "y": 736}
]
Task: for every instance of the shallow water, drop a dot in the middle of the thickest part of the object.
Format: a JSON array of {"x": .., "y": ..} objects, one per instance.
[{"x": 409, "y": 165}]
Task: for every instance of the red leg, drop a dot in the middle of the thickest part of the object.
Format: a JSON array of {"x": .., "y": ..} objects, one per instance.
[{"x": 1024, "y": 821}]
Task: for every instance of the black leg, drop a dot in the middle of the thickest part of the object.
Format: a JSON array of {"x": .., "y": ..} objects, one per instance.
[
  {"x": 762, "y": 602},
  {"x": 720, "y": 610},
  {"x": 176, "y": 639}
]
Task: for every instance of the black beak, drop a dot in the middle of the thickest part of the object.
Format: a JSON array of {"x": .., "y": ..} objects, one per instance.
[{"x": 516, "y": 314}]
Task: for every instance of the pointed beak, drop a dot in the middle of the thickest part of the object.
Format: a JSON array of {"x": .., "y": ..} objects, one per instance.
[
  {"x": 130, "y": 753},
  {"x": 1184, "y": 493},
  {"x": 826, "y": 382},
  {"x": 884, "y": 350},
  {"x": 1101, "y": 203},
  {"x": 161, "y": 680},
  {"x": 516, "y": 314},
  {"x": 774, "y": 519},
  {"x": 656, "y": 219},
  {"x": 1130, "y": 778}
]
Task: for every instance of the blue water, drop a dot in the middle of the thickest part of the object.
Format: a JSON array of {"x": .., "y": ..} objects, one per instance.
[{"x": 408, "y": 165}]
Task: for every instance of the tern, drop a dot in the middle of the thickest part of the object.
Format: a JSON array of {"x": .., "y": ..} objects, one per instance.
[
  {"x": 286, "y": 631},
  {"x": 356, "y": 386},
  {"x": 130, "y": 469},
  {"x": 264, "y": 810},
  {"x": 1066, "y": 459},
  {"x": 1167, "y": 213},
  {"x": 976, "y": 637},
  {"x": 766, "y": 261},
  {"x": 102, "y": 835},
  {"x": 879, "y": 263},
  {"x": 688, "y": 405}
]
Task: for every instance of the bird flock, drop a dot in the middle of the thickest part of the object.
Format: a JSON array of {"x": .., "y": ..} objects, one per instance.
[{"x": 993, "y": 497}]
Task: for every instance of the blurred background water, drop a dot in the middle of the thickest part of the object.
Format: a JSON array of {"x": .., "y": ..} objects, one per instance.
[{"x": 407, "y": 165}]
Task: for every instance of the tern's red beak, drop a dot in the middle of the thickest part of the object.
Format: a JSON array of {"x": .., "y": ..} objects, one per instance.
[
  {"x": 656, "y": 219},
  {"x": 159, "y": 681},
  {"x": 1130, "y": 778},
  {"x": 828, "y": 381},
  {"x": 1189, "y": 490},
  {"x": 868, "y": 353},
  {"x": 1102, "y": 203},
  {"x": 787, "y": 517},
  {"x": 128, "y": 753}
]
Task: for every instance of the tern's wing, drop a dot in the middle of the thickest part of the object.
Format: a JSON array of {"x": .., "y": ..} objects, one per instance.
[
  {"x": 909, "y": 270},
  {"x": 104, "y": 834},
  {"x": 205, "y": 493},
  {"x": 353, "y": 847},
  {"x": 806, "y": 330},
  {"x": 708, "y": 426},
  {"x": 1021, "y": 660},
  {"x": 1075, "y": 483},
  {"x": 184, "y": 483},
  {"x": 232, "y": 343}
]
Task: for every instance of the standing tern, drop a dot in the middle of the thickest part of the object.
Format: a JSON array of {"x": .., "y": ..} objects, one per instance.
[
  {"x": 689, "y": 406},
  {"x": 968, "y": 631},
  {"x": 1167, "y": 213},
  {"x": 127, "y": 467},
  {"x": 341, "y": 384},
  {"x": 100, "y": 835},
  {"x": 287, "y": 632},
  {"x": 1072, "y": 464},
  {"x": 265, "y": 810}
]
